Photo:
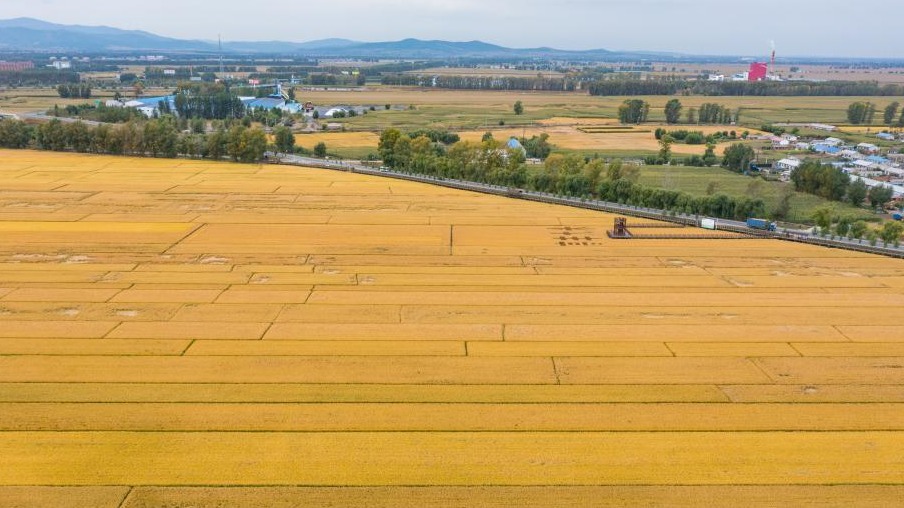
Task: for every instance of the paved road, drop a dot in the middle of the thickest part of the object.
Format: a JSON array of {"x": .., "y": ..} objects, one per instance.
[{"x": 42, "y": 117}]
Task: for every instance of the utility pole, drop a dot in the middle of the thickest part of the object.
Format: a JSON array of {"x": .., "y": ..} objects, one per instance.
[{"x": 222, "y": 70}]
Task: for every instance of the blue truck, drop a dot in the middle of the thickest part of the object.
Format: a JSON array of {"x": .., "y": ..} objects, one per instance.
[{"x": 761, "y": 224}]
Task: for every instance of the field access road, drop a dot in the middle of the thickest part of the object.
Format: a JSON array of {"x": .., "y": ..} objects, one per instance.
[{"x": 43, "y": 117}]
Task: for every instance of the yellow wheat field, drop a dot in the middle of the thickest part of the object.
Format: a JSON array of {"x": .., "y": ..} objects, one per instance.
[
  {"x": 188, "y": 333},
  {"x": 339, "y": 140},
  {"x": 564, "y": 133}
]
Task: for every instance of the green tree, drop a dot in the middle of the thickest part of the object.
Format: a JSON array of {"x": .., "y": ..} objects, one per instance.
[
  {"x": 234, "y": 142},
  {"x": 738, "y": 157},
  {"x": 284, "y": 140},
  {"x": 843, "y": 226},
  {"x": 519, "y": 108},
  {"x": 617, "y": 171},
  {"x": 859, "y": 113},
  {"x": 692, "y": 116},
  {"x": 487, "y": 136},
  {"x": 858, "y": 230},
  {"x": 198, "y": 125},
  {"x": 823, "y": 217},
  {"x": 891, "y": 233},
  {"x": 217, "y": 145},
  {"x": 51, "y": 136},
  {"x": 160, "y": 138},
  {"x": 665, "y": 148},
  {"x": 815, "y": 178},
  {"x": 857, "y": 193},
  {"x": 387, "y": 145},
  {"x": 320, "y": 150},
  {"x": 891, "y": 113},
  {"x": 633, "y": 111},
  {"x": 709, "y": 156},
  {"x": 254, "y": 144},
  {"x": 537, "y": 147},
  {"x": 79, "y": 137},
  {"x": 783, "y": 207},
  {"x": 673, "y": 111},
  {"x": 880, "y": 195},
  {"x": 15, "y": 134}
]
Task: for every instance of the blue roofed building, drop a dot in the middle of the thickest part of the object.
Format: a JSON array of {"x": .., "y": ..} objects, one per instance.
[
  {"x": 272, "y": 102},
  {"x": 515, "y": 145},
  {"x": 151, "y": 105},
  {"x": 824, "y": 148}
]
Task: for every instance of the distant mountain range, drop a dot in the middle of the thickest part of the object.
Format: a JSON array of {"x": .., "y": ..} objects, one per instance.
[{"x": 26, "y": 34}]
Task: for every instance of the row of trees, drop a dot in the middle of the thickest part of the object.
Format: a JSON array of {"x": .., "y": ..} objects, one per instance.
[
  {"x": 155, "y": 138},
  {"x": 100, "y": 113},
  {"x": 491, "y": 162},
  {"x": 861, "y": 113},
  {"x": 38, "y": 77},
  {"x": 74, "y": 91},
  {"x": 741, "y": 89},
  {"x": 209, "y": 101},
  {"x": 715, "y": 114},
  {"x": 483, "y": 82},
  {"x": 845, "y": 226},
  {"x": 635, "y": 111},
  {"x": 891, "y": 113}
]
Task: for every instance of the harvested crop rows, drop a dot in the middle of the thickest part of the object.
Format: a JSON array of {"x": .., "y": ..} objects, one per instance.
[{"x": 170, "y": 330}]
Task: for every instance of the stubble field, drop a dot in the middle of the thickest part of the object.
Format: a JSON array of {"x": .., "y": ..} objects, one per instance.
[{"x": 186, "y": 333}]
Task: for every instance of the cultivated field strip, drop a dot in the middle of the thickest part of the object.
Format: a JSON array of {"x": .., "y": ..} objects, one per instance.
[{"x": 187, "y": 333}]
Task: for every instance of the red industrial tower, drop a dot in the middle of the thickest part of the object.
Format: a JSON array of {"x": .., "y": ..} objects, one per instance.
[{"x": 758, "y": 71}]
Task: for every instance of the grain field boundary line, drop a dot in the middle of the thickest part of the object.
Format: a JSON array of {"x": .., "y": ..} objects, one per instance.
[
  {"x": 126, "y": 497},
  {"x": 841, "y": 332},
  {"x": 253, "y": 486},
  {"x": 475, "y": 432}
]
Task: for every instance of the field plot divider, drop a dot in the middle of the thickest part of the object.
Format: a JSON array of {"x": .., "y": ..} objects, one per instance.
[{"x": 839, "y": 330}]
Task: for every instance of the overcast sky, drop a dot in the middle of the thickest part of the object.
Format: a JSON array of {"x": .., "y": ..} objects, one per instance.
[{"x": 745, "y": 27}]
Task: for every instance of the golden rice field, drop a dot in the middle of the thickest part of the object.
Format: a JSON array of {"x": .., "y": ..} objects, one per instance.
[
  {"x": 564, "y": 133},
  {"x": 572, "y": 137},
  {"x": 185, "y": 333}
]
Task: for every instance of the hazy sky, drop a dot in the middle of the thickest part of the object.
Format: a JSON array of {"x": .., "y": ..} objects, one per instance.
[{"x": 746, "y": 27}]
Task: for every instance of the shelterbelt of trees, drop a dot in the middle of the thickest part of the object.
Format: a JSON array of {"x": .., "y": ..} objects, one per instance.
[
  {"x": 537, "y": 84},
  {"x": 38, "y": 77},
  {"x": 736, "y": 89},
  {"x": 492, "y": 162},
  {"x": 153, "y": 138}
]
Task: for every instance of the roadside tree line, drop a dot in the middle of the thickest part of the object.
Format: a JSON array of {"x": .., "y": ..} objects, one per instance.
[
  {"x": 833, "y": 225},
  {"x": 491, "y": 162},
  {"x": 152, "y": 138},
  {"x": 741, "y": 89}
]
